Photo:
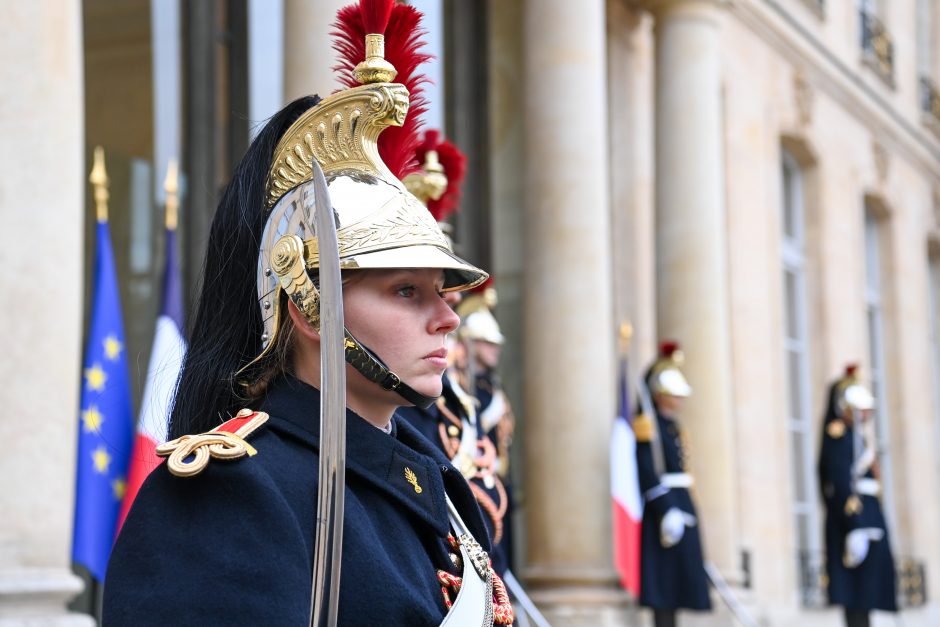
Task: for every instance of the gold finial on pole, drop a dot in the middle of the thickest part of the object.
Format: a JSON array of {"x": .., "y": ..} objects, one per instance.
[
  {"x": 626, "y": 333},
  {"x": 171, "y": 187},
  {"x": 99, "y": 180}
]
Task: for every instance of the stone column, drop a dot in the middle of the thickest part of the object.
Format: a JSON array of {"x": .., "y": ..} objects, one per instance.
[
  {"x": 692, "y": 290},
  {"x": 41, "y": 122},
  {"x": 567, "y": 314},
  {"x": 308, "y": 52}
]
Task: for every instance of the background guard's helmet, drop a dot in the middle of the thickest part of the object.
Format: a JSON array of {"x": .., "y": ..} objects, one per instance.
[
  {"x": 851, "y": 394},
  {"x": 476, "y": 312},
  {"x": 665, "y": 376},
  {"x": 439, "y": 180},
  {"x": 379, "y": 223}
]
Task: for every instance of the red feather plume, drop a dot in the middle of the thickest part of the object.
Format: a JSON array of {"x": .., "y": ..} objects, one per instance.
[
  {"x": 375, "y": 14},
  {"x": 454, "y": 163},
  {"x": 851, "y": 370},
  {"x": 668, "y": 347},
  {"x": 482, "y": 287},
  {"x": 403, "y": 49}
]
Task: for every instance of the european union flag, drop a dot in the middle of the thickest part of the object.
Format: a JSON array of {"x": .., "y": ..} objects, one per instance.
[{"x": 106, "y": 421}]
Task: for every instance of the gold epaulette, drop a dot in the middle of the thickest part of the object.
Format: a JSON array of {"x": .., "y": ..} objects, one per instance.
[
  {"x": 643, "y": 428},
  {"x": 835, "y": 429},
  {"x": 189, "y": 455}
]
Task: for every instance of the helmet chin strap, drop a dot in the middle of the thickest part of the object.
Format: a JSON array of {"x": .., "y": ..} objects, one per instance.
[
  {"x": 303, "y": 292},
  {"x": 374, "y": 369}
]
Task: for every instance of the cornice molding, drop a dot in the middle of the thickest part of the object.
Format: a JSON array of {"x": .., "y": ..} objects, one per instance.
[
  {"x": 661, "y": 6},
  {"x": 828, "y": 74}
]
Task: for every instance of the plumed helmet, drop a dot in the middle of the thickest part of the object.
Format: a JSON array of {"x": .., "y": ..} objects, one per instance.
[
  {"x": 363, "y": 137},
  {"x": 482, "y": 326},
  {"x": 665, "y": 375},
  {"x": 851, "y": 393},
  {"x": 440, "y": 178},
  {"x": 476, "y": 313}
]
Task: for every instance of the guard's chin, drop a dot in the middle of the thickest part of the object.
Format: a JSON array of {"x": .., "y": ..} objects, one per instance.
[{"x": 429, "y": 386}]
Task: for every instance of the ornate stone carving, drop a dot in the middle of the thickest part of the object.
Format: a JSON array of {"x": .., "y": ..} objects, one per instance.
[
  {"x": 882, "y": 160},
  {"x": 804, "y": 97}
]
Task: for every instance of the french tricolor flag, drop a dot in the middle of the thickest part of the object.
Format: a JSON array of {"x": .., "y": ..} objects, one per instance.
[
  {"x": 625, "y": 490},
  {"x": 166, "y": 359}
]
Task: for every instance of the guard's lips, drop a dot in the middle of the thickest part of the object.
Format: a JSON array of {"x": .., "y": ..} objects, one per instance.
[{"x": 441, "y": 353}]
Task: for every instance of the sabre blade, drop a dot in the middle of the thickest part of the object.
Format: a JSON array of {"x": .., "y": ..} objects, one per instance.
[{"x": 324, "y": 606}]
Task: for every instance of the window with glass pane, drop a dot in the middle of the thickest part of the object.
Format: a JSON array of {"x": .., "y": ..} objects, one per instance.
[
  {"x": 934, "y": 303},
  {"x": 796, "y": 356},
  {"x": 875, "y": 317}
]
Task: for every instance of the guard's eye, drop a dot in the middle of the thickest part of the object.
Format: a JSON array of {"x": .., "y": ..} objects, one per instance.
[{"x": 407, "y": 291}]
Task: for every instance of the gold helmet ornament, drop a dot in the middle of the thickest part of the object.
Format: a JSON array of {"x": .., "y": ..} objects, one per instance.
[
  {"x": 363, "y": 137},
  {"x": 665, "y": 374},
  {"x": 438, "y": 182},
  {"x": 852, "y": 395}
]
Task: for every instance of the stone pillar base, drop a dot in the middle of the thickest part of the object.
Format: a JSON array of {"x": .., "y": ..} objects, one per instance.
[
  {"x": 36, "y": 597},
  {"x": 580, "y": 597},
  {"x": 583, "y": 606}
]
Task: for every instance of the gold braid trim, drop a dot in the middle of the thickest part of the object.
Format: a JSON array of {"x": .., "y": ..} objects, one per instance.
[
  {"x": 450, "y": 587},
  {"x": 217, "y": 443},
  {"x": 495, "y": 512}
]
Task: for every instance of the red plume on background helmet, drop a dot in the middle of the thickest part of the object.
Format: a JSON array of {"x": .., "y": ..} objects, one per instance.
[
  {"x": 482, "y": 287},
  {"x": 403, "y": 44},
  {"x": 668, "y": 347},
  {"x": 851, "y": 370},
  {"x": 454, "y": 163}
]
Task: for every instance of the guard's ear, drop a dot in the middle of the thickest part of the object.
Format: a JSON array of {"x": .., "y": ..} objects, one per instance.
[{"x": 301, "y": 324}]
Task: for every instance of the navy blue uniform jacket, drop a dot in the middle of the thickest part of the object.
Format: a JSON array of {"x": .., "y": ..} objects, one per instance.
[
  {"x": 675, "y": 577},
  {"x": 429, "y": 422},
  {"x": 871, "y": 584},
  {"x": 234, "y": 544}
]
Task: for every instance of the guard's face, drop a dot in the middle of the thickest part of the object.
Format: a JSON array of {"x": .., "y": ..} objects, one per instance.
[
  {"x": 668, "y": 404},
  {"x": 487, "y": 353},
  {"x": 402, "y": 316}
]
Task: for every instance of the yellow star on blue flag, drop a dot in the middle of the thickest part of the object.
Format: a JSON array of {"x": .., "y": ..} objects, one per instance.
[
  {"x": 112, "y": 347},
  {"x": 92, "y": 419},
  {"x": 95, "y": 378}
]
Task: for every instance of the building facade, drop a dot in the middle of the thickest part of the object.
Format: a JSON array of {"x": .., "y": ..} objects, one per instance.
[{"x": 758, "y": 179}]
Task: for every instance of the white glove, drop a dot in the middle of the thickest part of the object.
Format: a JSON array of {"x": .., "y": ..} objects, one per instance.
[
  {"x": 856, "y": 547},
  {"x": 672, "y": 527}
]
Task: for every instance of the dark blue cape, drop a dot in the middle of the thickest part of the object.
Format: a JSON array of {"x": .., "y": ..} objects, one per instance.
[
  {"x": 670, "y": 578},
  {"x": 234, "y": 544}
]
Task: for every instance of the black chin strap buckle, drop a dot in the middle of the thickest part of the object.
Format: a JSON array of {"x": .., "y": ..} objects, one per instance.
[{"x": 391, "y": 382}]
